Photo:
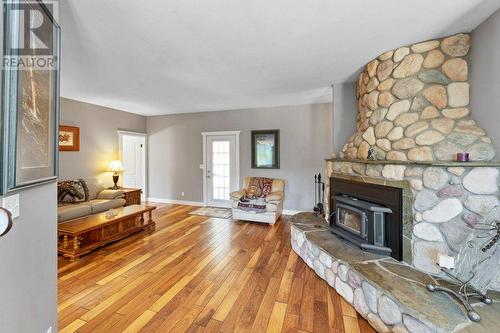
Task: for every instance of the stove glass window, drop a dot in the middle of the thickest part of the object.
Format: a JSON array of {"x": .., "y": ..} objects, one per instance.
[{"x": 350, "y": 219}]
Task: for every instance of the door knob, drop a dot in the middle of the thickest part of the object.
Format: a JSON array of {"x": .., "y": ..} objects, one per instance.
[{"x": 5, "y": 221}]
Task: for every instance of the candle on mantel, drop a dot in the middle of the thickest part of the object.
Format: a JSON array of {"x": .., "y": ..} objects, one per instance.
[
  {"x": 445, "y": 261},
  {"x": 463, "y": 157}
]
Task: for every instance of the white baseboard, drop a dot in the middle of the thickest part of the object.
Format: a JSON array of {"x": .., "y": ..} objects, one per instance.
[
  {"x": 290, "y": 211},
  {"x": 201, "y": 204},
  {"x": 177, "y": 202}
]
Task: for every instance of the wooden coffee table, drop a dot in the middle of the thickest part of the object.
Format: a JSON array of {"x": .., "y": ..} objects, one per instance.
[{"x": 80, "y": 236}]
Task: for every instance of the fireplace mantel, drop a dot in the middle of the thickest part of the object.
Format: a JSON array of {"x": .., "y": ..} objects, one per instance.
[{"x": 446, "y": 164}]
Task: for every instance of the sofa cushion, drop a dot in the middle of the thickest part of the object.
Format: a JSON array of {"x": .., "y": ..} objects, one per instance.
[
  {"x": 68, "y": 212},
  {"x": 95, "y": 187},
  {"x": 111, "y": 194},
  {"x": 102, "y": 205}
]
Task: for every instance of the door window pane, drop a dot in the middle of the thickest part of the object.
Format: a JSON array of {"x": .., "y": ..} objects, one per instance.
[{"x": 220, "y": 170}]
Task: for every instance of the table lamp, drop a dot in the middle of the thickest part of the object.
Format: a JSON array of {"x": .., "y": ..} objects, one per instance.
[{"x": 115, "y": 167}]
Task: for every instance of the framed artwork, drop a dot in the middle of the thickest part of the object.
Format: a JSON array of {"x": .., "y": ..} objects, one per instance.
[
  {"x": 30, "y": 94},
  {"x": 69, "y": 138},
  {"x": 266, "y": 149}
]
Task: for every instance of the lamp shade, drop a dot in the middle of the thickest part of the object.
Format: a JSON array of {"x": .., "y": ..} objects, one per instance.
[{"x": 116, "y": 166}]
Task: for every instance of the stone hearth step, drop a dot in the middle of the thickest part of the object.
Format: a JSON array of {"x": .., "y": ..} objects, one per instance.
[{"x": 391, "y": 295}]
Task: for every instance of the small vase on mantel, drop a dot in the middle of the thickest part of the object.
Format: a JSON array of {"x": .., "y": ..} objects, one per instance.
[{"x": 372, "y": 154}]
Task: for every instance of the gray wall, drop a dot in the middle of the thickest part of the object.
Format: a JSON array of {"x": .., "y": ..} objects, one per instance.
[
  {"x": 175, "y": 149},
  {"x": 28, "y": 255},
  {"x": 485, "y": 77},
  {"x": 98, "y": 138},
  {"x": 344, "y": 114}
]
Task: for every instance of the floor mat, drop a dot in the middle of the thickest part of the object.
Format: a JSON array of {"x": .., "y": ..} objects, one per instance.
[{"x": 223, "y": 213}]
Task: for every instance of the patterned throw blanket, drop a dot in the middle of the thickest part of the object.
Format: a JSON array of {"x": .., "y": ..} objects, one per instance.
[{"x": 254, "y": 198}]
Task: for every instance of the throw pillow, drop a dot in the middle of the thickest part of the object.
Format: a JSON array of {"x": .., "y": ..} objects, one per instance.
[{"x": 72, "y": 191}]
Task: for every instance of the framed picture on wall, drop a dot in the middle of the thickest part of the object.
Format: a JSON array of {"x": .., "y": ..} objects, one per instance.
[
  {"x": 30, "y": 92},
  {"x": 265, "y": 149},
  {"x": 69, "y": 138}
]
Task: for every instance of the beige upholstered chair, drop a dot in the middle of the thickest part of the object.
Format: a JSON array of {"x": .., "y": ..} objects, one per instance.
[{"x": 273, "y": 203}]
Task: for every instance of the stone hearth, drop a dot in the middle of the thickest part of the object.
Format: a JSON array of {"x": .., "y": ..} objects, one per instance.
[{"x": 391, "y": 295}]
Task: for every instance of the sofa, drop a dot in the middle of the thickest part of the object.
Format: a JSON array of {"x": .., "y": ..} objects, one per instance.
[
  {"x": 268, "y": 191},
  {"x": 79, "y": 198}
]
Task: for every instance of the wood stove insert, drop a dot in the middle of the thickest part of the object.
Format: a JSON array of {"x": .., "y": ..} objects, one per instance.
[{"x": 367, "y": 215}]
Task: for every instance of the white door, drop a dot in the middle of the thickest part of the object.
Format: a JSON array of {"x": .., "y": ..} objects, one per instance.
[
  {"x": 133, "y": 156},
  {"x": 221, "y": 169}
]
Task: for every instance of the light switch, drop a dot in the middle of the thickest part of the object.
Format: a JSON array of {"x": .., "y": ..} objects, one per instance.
[{"x": 11, "y": 203}]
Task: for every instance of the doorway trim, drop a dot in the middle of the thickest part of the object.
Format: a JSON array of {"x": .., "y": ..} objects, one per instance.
[
  {"x": 121, "y": 133},
  {"x": 203, "y": 166}
]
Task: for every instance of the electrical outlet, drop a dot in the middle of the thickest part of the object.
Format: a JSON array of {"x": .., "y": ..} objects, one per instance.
[
  {"x": 11, "y": 203},
  {"x": 182, "y": 194},
  {"x": 202, "y": 166}
]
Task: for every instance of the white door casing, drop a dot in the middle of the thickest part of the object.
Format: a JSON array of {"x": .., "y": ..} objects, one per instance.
[
  {"x": 132, "y": 147},
  {"x": 220, "y": 167}
]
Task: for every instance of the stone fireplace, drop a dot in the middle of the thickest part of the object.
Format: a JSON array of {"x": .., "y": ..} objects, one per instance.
[{"x": 413, "y": 112}]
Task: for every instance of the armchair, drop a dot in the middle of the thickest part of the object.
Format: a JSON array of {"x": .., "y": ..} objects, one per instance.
[{"x": 266, "y": 202}]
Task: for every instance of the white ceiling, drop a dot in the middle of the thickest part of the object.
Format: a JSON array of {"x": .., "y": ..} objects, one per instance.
[{"x": 156, "y": 57}]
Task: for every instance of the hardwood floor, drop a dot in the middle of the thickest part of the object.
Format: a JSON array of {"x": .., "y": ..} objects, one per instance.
[{"x": 200, "y": 274}]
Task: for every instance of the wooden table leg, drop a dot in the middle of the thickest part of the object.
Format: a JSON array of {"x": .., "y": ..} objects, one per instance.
[
  {"x": 76, "y": 244},
  {"x": 65, "y": 242},
  {"x": 76, "y": 247},
  {"x": 151, "y": 223},
  {"x": 142, "y": 220}
]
